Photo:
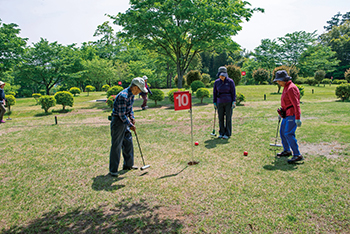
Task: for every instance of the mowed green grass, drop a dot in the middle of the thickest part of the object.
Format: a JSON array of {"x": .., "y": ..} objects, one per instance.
[{"x": 54, "y": 178}]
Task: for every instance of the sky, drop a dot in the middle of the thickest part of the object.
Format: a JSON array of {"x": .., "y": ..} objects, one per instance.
[{"x": 75, "y": 21}]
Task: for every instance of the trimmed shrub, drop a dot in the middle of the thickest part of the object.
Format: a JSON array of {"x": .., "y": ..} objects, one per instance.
[
  {"x": 10, "y": 101},
  {"x": 234, "y": 73},
  {"x": 196, "y": 85},
  {"x": 36, "y": 96},
  {"x": 261, "y": 75},
  {"x": 343, "y": 91},
  {"x": 110, "y": 101},
  {"x": 311, "y": 81},
  {"x": 202, "y": 93},
  {"x": 47, "y": 102},
  {"x": 326, "y": 81},
  {"x": 212, "y": 83},
  {"x": 301, "y": 90},
  {"x": 319, "y": 76},
  {"x": 347, "y": 75},
  {"x": 192, "y": 76},
  {"x": 74, "y": 90},
  {"x": 336, "y": 81},
  {"x": 300, "y": 80},
  {"x": 206, "y": 78},
  {"x": 89, "y": 88},
  {"x": 171, "y": 94},
  {"x": 64, "y": 98},
  {"x": 239, "y": 98},
  {"x": 157, "y": 95},
  {"x": 114, "y": 90},
  {"x": 105, "y": 87}
]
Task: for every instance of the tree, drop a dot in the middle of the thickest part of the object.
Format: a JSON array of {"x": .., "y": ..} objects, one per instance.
[
  {"x": 336, "y": 21},
  {"x": 268, "y": 54},
  {"x": 181, "y": 29},
  {"x": 45, "y": 64},
  {"x": 317, "y": 58},
  {"x": 47, "y": 102},
  {"x": 339, "y": 40},
  {"x": 343, "y": 92},
  {"x": 74, "y": 91},
  {"x": 11, "y": 46},
  {"x": 10, "y": 101},
  {"x": 260, "y": 75},
  {"x": 114, "y": 90},
  {"x": 157, "y": 95},
  {"x": 64, "y": 98},
  {"x": 36, "y": 96},
  {"x": 234, "y": 73},
  {"x": 294, "y": 44},
  {"x": 319, "y": 76},
  {"x": 201, "y": 93},
  {"x": 89, "y": 88}
]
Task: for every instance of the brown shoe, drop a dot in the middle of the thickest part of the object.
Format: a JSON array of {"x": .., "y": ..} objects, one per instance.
[{"x": 296, "y": 158}]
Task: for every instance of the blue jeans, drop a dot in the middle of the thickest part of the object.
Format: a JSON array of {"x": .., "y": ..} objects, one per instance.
[
  {"x": 287, "y": 132},
  {"x": 121, "y": 140},
  {"x": 225, "y": 110}
]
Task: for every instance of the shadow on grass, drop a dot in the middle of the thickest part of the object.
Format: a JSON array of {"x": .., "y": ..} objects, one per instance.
[
  {"x": 280, "y": 163},
  {"x": 43, "y": 114},
  {"x": 214, "y": 141},
  {"x": 123, "y": 217},
  {"x": 172, "y": 175},
  {"x": 105, "y": 182},
  {"x": 280, "y": 93},
  {"x": 62, "y": 111}
]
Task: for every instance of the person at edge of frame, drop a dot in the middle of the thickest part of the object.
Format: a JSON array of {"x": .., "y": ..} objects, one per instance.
[
  {"x": 224, "y": 98},
  {"x": 144, "y": 95},
  {"x": 290, "y": 111},
  {"x": 2, "y": 102},
  {"x": 123, "y": 121}
]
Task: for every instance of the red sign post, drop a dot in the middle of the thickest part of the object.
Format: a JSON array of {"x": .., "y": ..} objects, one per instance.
[
  {"x": 243, "y": 73},
  {"x": 182, "y": 100}
]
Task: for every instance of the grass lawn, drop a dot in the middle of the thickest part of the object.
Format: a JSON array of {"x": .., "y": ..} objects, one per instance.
[{"x": 54, "y": 178}]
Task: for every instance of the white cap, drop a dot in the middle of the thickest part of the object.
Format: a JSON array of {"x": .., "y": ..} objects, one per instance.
[
  {"x": 145, "y": 77},
  {"x": 1, "y": 83},
  {"x": 139, "y": 82}
]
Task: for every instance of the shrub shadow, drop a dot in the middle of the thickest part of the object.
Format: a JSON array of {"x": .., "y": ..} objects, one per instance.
[
  {"x": 43, "y": 114},
  {"x": 62, "y": 111},
  {"x": 214, "y": 141},
  {"x": 105, "y": 182},
  {"x": 123, "y": 217}
]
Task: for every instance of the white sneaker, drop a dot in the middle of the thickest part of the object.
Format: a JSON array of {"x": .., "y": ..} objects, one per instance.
[
  {"x": 225, "y": 137},
  {"x": 220, "y": 136}
]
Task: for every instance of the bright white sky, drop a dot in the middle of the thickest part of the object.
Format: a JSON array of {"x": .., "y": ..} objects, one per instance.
[{"x": 75, "y": 21}]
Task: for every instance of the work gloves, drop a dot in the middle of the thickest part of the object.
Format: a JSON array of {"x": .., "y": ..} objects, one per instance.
[
  {"x": 215, "y": 106},
  {"x": 298, "y": 122},
  {"x": 233, "y": 105}
]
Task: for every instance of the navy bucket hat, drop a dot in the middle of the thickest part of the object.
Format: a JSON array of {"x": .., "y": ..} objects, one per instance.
[{"x": 282, "y": 75}]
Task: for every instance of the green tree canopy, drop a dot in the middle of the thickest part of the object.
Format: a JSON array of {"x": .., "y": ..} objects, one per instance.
[{"x": 183, "y": 28}]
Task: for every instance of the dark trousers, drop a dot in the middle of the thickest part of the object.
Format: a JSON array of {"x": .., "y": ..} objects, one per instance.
[
  {"x": 144, "y": 97},
  {"x": 225, "y": 118},
  {"x": 2, "y": 111},
  {"x": 121, "y": 141}
]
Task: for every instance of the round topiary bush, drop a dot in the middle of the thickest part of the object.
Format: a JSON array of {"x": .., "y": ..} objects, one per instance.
[
  {"x": 74, "y": 91},
  {"x": 301, "y": 90},
  {"x": 234, "y": 73},
  {"x": 10, "y": 101},
  {"x": 157, "y": 95},
  {"x": 64, "y": 98},
  {"x": 343, "y": 92},
  {"x": 192, "y": 76},
  {"x": 239, "y": 98},
  {"x": 114, "y": 90},
  {"x": 201, "y": 93},
  {"x": 171, "y": 94},
  {"x": 47, "y": 102},
  {"x": 105, "y": 87},
  {"x": 319, "y": 76},
  {"x": 206, "y": 78},
  {"x": 110, "y": 101},
  {"x": 89, "y": 88},
  {"x": 36, "y": 96},
  {"x": 196, "y": 85},
  {"x": 311, "y": 81},
  {"x": 261, "y": 75}
]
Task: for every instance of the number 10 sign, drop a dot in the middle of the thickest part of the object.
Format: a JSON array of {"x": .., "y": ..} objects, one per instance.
[{"x": 182, "y": 100}]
